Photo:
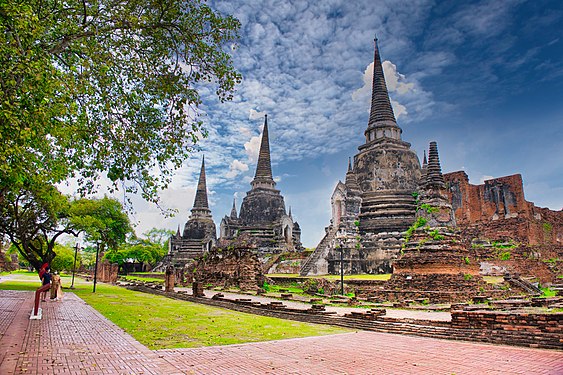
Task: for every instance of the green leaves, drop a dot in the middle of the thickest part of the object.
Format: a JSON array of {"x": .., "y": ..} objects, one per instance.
[{"x": 90, "y": 87}]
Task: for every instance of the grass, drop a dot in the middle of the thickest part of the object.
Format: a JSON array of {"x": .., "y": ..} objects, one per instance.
[
  {"x": 547, "y": 292},
  {"x": 161, "y": 323},
  {"x": 143, "y": 278},
  {"x": 493, "y": 279}
]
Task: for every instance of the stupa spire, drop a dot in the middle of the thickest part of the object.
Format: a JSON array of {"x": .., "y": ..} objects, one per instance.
[
  {"x": 382, "y": 123},
  {"x": 200, "y": 201},
  {"x": 351, "y": 182},
  {"x": 434, "y": 177},
  {"x": 263, "y": 177},
  {"x": 234, "y": 214},
  {"x": 424, "y": 171},
  {"x": 381, "y": 109}
]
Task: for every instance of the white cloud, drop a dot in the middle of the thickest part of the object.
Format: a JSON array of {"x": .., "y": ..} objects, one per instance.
[
  {"x": 254, "y": 115},
  {"x": 397, "y": 84},
  {"x": 236, "y": 168},
  {"x": 252, "y": 147},
  {"x": 398, "y": 109}
]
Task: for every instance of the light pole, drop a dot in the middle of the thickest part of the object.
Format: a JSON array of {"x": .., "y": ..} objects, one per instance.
[
  {"x": 341, "y": 269},
  {"x": 76, "y": 248},
  {"x": 96, "y": 266}
]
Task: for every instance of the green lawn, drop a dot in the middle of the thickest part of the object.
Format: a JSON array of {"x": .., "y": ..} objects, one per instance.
[
  {"x": 159, "y": 322},
  {"x": 147, "y": 279}
]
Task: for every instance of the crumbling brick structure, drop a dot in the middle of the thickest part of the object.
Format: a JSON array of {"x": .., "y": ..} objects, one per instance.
[{"x": 234, "y": 265}]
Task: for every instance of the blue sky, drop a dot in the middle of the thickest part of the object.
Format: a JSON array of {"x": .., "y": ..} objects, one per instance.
[{"x": 482, "y": 78}]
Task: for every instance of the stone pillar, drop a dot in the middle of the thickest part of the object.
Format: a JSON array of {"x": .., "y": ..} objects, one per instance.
[
  {"x": 169, "y": 279},
  {"x": 197, "y": 289}
]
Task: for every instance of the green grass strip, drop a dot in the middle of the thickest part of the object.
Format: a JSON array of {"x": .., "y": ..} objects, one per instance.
[{"x": 163, "y": 323}]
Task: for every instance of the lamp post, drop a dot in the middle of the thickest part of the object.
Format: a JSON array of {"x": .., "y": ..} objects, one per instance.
[
  {"x": 96, "y": 266},
  {"x": 340, "y": 241},
  {"x": 76, "y": 248},
  {"x": 341, "y": 269}
]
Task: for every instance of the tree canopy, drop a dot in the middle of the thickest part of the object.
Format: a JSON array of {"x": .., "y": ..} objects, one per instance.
[
  {"x": 107, "y": 87},
  {"x": 34, "y": 219},
  {"x": 150, "y": 249}
]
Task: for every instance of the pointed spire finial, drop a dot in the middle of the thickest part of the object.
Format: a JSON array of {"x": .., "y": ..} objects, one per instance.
[
  {"x": 381, "y": 123},
  {"x": 434, "y": 177},
  {"x": 178, "y": 231},
  {"x": 200, "y": 201},
  {"x": 234, "y": 214},
  {"x": 263, "y": 176},
  {"x": 290, "y": 212},
  {"x": 349, "y": 164}
]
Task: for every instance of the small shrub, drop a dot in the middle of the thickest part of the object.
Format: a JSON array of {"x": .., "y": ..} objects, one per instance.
[
  {"x": 435, "y": 235},
  {"x": 429, "y": 208},
  {"x": 467, "y": 277},
  {"x": 467, "y": 261},
  {"x": 505, "y": 255}
]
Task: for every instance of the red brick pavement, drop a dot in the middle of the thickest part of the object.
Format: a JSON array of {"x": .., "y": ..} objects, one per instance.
[{"x": 72, "y": 338}]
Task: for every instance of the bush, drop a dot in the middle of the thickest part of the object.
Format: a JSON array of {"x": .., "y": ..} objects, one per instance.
[{"x": 64, "y": 259}]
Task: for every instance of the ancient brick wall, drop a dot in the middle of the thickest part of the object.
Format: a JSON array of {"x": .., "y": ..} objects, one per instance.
[
  {"x": 236, "y": 265},
  {"x": 107, "y": 272},
  {"x": 507, "y": 321},
  {"x": 497, "y": 209}
]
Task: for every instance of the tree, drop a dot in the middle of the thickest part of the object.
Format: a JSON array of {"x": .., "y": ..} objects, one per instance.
[
  {"x": 106, "y": 87},
  {"x": 64, "y": 260},
  {"x": 102, "y": 220},
  {"x": 34, "y": 218},
  {"x": 143, "y": 250}
]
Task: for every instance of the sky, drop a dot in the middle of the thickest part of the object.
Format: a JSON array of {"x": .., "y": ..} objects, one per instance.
[{"x": 482, "y": 78}]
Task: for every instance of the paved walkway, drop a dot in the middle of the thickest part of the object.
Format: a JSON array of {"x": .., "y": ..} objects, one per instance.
[{"x": 72, "y": 338}]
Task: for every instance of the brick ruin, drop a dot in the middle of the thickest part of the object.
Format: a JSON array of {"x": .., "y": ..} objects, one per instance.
[
  {"x": 229, "y": 264},
  {"x": 504, "y": 229},
  {"x": 374, "y": 207}
]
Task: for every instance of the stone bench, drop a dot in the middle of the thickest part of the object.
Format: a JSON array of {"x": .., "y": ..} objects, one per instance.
[{"x": 286, "y": 295}]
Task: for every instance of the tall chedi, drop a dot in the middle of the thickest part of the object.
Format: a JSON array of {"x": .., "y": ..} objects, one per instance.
[
  {"x": 199, "y": 232},
  {"x": 387, "y": 173},
  {"x": 262, "y": 213}
]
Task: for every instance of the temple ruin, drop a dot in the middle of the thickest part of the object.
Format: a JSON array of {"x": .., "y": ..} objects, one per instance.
[
  {"x": 383, "y": 193},
  {"x": 262, "y": 214},
  {"x": 199, "y": 233},
  {"x": 375, "y": 205}
]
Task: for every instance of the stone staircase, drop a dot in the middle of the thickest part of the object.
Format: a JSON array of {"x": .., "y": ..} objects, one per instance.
[
  {"x": 311, "y": 265},
  {"x": 523, "y": 284},
  {"x": 189, "y": 250}
]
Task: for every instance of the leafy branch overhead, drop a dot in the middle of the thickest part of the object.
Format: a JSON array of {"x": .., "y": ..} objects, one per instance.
[{"x": 107, "y": 87}]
